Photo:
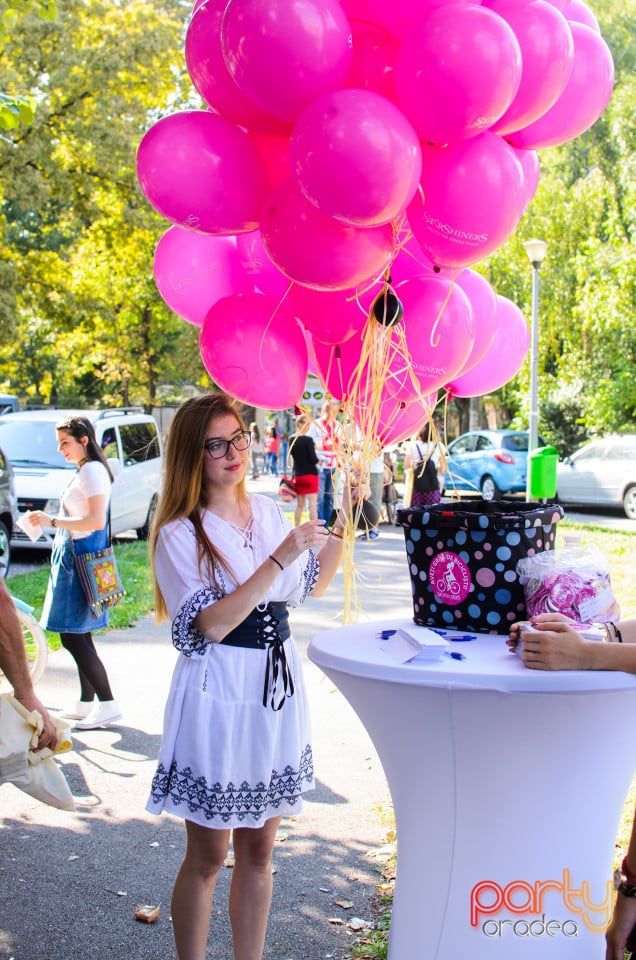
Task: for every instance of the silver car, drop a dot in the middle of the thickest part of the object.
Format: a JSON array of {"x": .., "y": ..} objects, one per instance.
[
  {"x": 601, "y": 473},
  {"x": 8, "y": 513}
]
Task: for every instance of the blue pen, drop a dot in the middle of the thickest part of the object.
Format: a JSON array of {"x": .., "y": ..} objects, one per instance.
[
  {"x": 385, "y": 634},
  {"x": 455, "y": 656},
  {"x": 451, "y": 635}
]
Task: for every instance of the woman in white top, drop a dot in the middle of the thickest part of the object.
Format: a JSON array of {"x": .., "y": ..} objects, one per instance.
[
  {"x": 236, "y": 748},
  {"x": 83, "y": 525}
]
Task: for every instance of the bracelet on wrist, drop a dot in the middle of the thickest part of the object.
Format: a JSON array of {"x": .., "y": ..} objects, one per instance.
[
  {"x": 613, "y": 632},
  {"x": 54, "y": 521},
  {"x": 277, "y": 562},
  {"x": 334, "y": 533},
  {"x": 627, "y": 889}
]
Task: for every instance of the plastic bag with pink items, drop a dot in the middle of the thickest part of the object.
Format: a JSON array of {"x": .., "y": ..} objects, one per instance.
[{"x": 574, "y": 581}]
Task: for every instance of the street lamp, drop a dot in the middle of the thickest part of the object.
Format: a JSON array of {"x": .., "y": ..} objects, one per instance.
[{"x": 536, "y": 250}]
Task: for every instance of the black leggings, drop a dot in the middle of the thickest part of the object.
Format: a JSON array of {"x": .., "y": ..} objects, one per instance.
[{"x": 92, "y": 673}]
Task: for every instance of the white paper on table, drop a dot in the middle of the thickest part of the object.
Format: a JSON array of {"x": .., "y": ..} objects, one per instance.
[
  {"x": 32, "y": 530},
  {"x": 405, "y": 644}
]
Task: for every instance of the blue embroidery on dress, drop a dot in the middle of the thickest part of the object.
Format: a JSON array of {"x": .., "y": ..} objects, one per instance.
[
  {"x": 240, "y": 802},
  {"x": 185, "y": 637},
  {"x": 310, "y": 575}
]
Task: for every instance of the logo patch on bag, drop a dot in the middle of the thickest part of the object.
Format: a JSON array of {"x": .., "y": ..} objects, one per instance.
[{"x": 449, "y": 577}]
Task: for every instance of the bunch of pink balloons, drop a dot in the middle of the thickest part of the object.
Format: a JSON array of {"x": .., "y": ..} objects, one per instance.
[{"x": 343, "y": 143}]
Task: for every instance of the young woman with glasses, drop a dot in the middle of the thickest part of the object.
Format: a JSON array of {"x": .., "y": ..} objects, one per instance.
[{"x": 236, "y": 751}]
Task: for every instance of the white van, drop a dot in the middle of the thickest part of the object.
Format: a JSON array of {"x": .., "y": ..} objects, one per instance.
[{"x": 131, "y": 442}]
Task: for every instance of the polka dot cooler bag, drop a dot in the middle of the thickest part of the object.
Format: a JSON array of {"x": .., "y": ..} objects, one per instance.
[{"x": 463, "y": 562}]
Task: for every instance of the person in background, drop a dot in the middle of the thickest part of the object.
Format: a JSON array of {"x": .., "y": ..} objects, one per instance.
[
  {"x": 256, "y": 449},
  {"x": 389, "y": 493},
  {"x": 272, "y": 445},
  {"x": 83, "y": 524},
  {"x": 621, "y": 932},
  {"x": 419, "y": 449},
  {"x": 328, "y": 453},
  {"x": 556, "y": 645},
  {"x": 284, "y": 450},
  {"x": 302, "y": 453},
  {"x": 376, "y": 482},
  {"x": 236, "y": 750},
  {"x": 13, "y": 663}
]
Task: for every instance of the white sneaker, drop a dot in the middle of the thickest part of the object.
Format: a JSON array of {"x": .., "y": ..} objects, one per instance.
[
  {"x": 79, "y": 710},
  {"x": 103, "y": 714}
]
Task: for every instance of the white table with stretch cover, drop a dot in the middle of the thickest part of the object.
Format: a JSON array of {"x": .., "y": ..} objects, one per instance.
[{"x": 507, "y": 786}]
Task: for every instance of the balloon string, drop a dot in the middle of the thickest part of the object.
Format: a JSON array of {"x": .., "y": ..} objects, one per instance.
[{"x": 269, "y": 323}]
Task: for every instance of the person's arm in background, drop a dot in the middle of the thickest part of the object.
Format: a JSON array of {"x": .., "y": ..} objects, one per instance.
[
  {"x": 556, "y": 645},
  {"x": 13, "y": 663},
  {"x": 624, "y": 916}
]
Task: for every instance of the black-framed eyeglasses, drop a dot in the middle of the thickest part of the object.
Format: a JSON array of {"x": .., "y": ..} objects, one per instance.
[{"x": 217, "y": 449}]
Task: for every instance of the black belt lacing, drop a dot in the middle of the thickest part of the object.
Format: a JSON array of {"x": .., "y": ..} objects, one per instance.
[{"x": 269, "y": 628}]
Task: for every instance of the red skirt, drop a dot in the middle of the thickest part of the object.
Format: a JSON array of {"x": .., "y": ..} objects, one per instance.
[{"x": 308, "y": 483}]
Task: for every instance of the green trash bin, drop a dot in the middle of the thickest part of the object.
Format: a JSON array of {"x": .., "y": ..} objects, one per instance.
[{"x": 542, "y": 464}]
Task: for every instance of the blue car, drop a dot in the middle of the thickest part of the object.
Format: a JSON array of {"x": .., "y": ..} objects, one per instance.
[{"x": 488, "y": 462}]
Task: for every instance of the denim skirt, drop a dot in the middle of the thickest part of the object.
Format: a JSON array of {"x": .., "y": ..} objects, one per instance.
[{"x": 66, "y": 609}]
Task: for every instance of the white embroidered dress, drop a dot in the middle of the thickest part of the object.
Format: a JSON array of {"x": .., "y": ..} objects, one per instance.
[{"x": 226, "y": 760}]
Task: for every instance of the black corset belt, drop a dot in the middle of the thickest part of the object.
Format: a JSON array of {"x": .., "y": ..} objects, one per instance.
[{"x": 268, "y": 628}]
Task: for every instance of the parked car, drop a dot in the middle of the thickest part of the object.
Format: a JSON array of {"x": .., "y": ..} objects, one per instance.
[
  {"x": 601, "y": 473},
  {"x": 490, "y": 462},
  {"x": 130, "y": 440},
  {"x": 8, "y": 513}
]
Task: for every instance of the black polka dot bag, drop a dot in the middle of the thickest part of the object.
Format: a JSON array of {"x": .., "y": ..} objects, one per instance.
[{"x": 463, "y": 562}]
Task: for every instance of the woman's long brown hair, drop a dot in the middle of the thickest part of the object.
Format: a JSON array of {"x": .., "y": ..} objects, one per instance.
[{"x": 183, "y": 493}]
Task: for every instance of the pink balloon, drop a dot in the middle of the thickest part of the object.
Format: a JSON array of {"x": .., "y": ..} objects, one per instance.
[
  {"x": 439, "y": 329},
  {"x": 531, "y": 166},
  {"x": 274, "y": 152},
  {"x": 284, "y": 54},
  {"x": 340, "y": 367},
  {"x": 559, "y": 4},
  {"x": 473, "y": 199},
  {"x": 547, "y": 51},
  {"x": 356, "y": 157},
  {"x": 255, "y": 351},
  {"x": 411, "y": 261},
  {"x": 398, "y": 420},
  {"x": 391, "y": 420},
  {"x": 483, "y": 301},
  {"x": 373, "y": 57},
  {"x": 582, "y": 102},
  {"x": 331, "y": 317},
  {"x": 457, "y": 72},
  {"x": 192, "y": 271},
  {"x": 317, "y": 251},
  {"x": 211, "y": 77},
  {"x": 400, "y": 18},
  {"x": 258, "y": 267},
  {"x": 579, "y": 12},
  {"x": 198, "y": 170},
  {"x": 503, "y": 360}
]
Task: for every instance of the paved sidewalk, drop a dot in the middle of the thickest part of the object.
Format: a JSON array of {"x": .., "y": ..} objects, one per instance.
[{"x": 70, "y": 881}]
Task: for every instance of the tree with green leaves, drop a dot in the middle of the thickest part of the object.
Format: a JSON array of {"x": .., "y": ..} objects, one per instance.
[{"x": 77, "y": 235}]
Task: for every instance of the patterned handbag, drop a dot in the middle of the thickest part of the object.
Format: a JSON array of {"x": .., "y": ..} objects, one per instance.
[
  {"x": 287, "y": 490},
  {"x": 100, "y": 580}
]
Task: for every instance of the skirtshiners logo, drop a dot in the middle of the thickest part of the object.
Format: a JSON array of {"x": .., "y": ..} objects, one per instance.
[
  {"x": 489, "y": 899},
  {"x": 449, "y": 577}
]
